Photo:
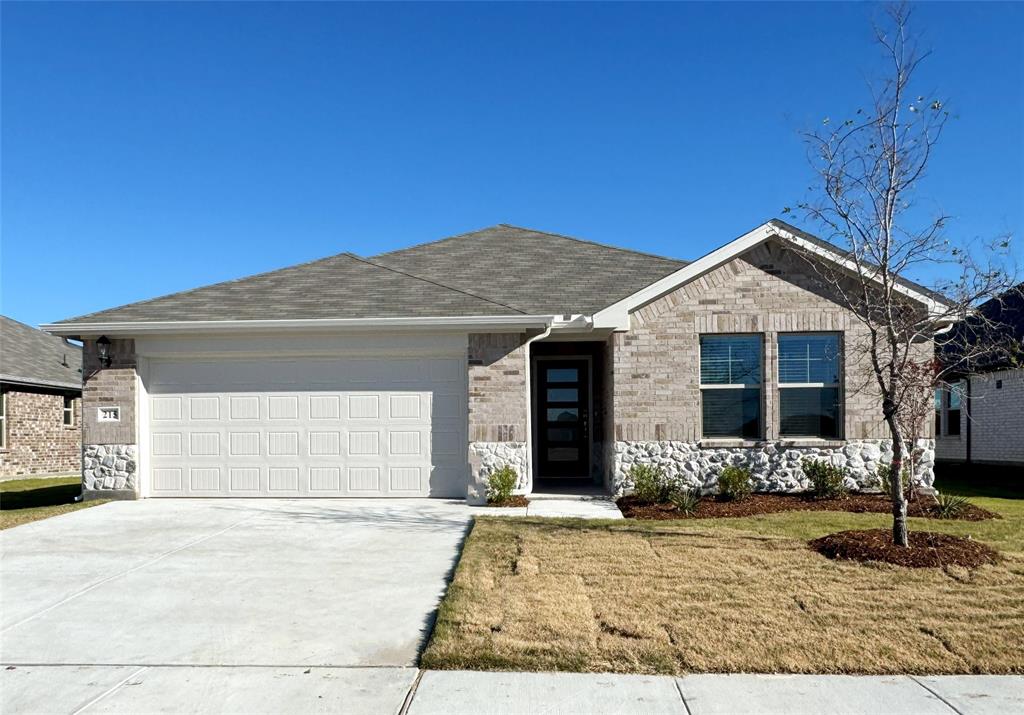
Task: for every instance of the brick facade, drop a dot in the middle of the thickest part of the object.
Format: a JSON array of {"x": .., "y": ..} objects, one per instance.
[
  {"x": 37, "y": 440},
  {"x": 768, "y": 290},
  {"x": 995, "y": 422},
  {"x": 497, "y": 387},
  {"x": 107, "y": 472}
]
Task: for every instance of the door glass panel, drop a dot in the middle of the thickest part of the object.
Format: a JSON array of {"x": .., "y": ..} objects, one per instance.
[
  {"x": 563, "y": 414},
  {"x": 563, "y": 454},
  {"x": 563, "y": 394},
  {"x": 563, "y": 374},
  {"x": 561, "y": 434}
]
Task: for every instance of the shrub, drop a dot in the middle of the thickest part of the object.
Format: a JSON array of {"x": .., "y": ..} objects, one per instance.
[
  {"x": 685, "y": 500},
  {"x": 884, "y": 471},
  {"x": 500, "y": 484},
  {"x": 950, "y": 506},
  {"x": 827, "y": 480},
  {"x": 734, "y": 484},
  {"x": 650, "y": 483}
]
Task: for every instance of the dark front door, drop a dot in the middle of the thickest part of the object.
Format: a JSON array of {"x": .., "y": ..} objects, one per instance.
[{"x": 563, "y": 427}]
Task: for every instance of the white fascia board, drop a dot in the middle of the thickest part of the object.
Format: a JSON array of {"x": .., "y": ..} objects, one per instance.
[
  {"x": 616, "y": 316},
  {"x": 481, "y": 322}
]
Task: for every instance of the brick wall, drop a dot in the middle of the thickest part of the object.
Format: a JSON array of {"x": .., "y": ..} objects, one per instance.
[
  {"x": 996, "y": 421},
  {"x": 110, "y": 450},
  {"x": 38, "y": 441},
  {"x": 768, "y": 290},
  {"x": 497, "y": 387}
]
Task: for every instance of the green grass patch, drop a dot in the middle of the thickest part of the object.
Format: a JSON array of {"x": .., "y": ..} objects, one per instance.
[{"x": 26, "y": 500}]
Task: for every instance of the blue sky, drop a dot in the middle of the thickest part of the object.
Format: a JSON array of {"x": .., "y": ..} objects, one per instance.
[{"x": 149, "y": 148}]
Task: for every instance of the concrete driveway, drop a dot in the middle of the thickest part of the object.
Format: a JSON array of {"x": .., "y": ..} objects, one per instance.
[{"x": 130, "y": 589}]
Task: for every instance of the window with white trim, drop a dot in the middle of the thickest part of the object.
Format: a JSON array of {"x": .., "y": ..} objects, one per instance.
[
  {"x": 730, "y": 386},
  {"x": 938, "y": 412},
  {"x": 69, "y": 410},
  {"x": 3, "y": 419},
  {"x": 809, "y": 386},
  {"x": 953, "y": 402}
]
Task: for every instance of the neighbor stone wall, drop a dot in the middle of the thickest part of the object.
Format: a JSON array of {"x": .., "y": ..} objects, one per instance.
[
  {"x": 37, "y": 440},
  {"x": 774, "y": 466},
  {"x": 110, "y": 452}
]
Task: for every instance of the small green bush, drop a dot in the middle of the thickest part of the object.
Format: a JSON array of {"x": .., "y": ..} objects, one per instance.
[
  {"x": 685, "y": 501},
  {"x": 500, "y": 484},
  {"x": 882, "y": 474},
  {"x": 950, "y": 506},
  {"x": 827, "y": 480},
  {"x": 734, "y": 484},
  {"x": 650, "y": 484}
]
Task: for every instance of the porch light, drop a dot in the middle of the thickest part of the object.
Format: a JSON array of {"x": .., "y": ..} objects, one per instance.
[{"x": 103, "y": 347}]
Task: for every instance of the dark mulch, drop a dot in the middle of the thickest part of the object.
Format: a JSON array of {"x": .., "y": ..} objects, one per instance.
[
  {"x": 514, "y": 500},
  {"x": 927, "y": 548},
  {"x": 711, "y": 508}
]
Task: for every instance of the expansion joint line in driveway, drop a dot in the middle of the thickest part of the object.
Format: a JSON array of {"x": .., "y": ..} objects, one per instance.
[
  {"x": 109, "y": 691},
  {"x": 133, "y": 569}
]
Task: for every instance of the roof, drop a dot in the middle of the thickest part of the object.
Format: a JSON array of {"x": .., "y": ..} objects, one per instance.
[
  {"x": 534, "y": 271},
  {"x": 998, "y": 328},
  {"x": 31, "y": 357},
  {"x": 501, "y": 270}
]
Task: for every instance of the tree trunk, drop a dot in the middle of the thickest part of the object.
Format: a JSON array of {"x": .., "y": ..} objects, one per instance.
[{"x": 899, "y": 502}]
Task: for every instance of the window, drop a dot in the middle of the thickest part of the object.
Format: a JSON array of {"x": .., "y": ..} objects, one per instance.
[
  {"x": 953, "y": 409},
  {"x": 69, "y": 410},
  {"x": 3, "y": 419},
  {"x": 938, "y": 412},
  {"x": 809, "y": 385},
  {"x": 730, "y": 385}
]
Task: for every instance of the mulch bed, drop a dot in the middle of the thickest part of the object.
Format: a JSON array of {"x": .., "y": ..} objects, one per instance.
[
  {"x": 926, "y": 548},
  {"x": 711, "y": 508},
  {"x": 514, "y": 500}
]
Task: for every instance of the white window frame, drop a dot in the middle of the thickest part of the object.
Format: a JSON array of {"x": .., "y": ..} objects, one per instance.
[
  {"x": 841, "y": 413},
  {"x": 69, "y": 411},
  {"x": 759, "y": 386}
]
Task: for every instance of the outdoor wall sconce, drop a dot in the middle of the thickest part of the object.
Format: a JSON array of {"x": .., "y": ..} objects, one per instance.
[{"x": 103, "y": 348}]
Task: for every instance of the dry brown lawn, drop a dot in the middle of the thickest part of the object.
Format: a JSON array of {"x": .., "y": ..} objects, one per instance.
[{"x": 672, "y": 597}]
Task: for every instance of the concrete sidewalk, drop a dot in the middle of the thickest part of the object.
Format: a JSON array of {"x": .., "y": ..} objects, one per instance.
[{"x": 246, "y": 689}]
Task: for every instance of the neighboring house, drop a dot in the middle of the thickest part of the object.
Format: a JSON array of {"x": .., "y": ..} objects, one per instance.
[
  {"x": 40, "y": 402},
  {"x": 980, "y": 417},
  {"x": 414, "y": 372}
]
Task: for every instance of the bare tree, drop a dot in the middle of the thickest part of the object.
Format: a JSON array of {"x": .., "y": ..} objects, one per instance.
[{"x": 869, "y": 168}]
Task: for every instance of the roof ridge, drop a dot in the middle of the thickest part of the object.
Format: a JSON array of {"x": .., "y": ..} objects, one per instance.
[
  {"x": 593, "y": 243},
  {"x": 439, "y": 240},
  {"x": 209, "y": 285},
  {"x": 441, "y": 285}
]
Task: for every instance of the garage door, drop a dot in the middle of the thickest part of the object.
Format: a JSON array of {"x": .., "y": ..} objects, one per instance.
[{"x": 307, "y": 427}]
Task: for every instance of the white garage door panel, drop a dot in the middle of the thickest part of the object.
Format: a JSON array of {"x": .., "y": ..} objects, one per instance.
[{"x": 308, "y": 427}]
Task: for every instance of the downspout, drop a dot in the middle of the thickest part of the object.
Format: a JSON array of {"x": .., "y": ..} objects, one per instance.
[{"x": 529, "y": 404}]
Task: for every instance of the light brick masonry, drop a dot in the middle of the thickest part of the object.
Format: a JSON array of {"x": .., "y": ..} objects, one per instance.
[
  {"x": 37, "y": 440},
  {"x": 109, "y": 448}
]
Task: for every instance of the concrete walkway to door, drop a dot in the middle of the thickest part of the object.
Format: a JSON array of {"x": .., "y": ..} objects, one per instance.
[{"x": 244, "y": 583}]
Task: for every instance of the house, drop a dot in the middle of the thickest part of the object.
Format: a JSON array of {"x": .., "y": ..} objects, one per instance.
[
  {"x": 978, "y": 418},
  {"x": 415, "y": 372},
  {"x": 40, "y": 402}
]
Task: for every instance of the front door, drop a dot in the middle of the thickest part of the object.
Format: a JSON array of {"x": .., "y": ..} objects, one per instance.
[{"x": 563, "y": 427}]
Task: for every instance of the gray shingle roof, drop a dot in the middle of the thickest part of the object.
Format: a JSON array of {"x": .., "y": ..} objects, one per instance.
[
  {"x": 534, "y": 271},
  {"x": 30, "y": 356},
  {"x": 502, "y": 270}
]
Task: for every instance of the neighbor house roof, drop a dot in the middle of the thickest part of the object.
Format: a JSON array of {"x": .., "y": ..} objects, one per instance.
[
  {"x": 31, "y": 357},
  {"x": 497, "y": 271}
]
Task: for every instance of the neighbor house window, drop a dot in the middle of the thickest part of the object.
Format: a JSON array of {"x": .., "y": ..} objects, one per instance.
[
  {"x": 730, "y": 385},
  {"x": 953, "y": 397},
  {"x": 3, "y": 420},
  {"x": 809, "y": 385},
  {"x": 938, "y": 412},
  {"x": 69, "y": 410}
]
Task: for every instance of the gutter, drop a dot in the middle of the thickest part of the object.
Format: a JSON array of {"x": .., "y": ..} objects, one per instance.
[
  {"x": 32, "y": 382},
  {"x": 129, "y": 329}
]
